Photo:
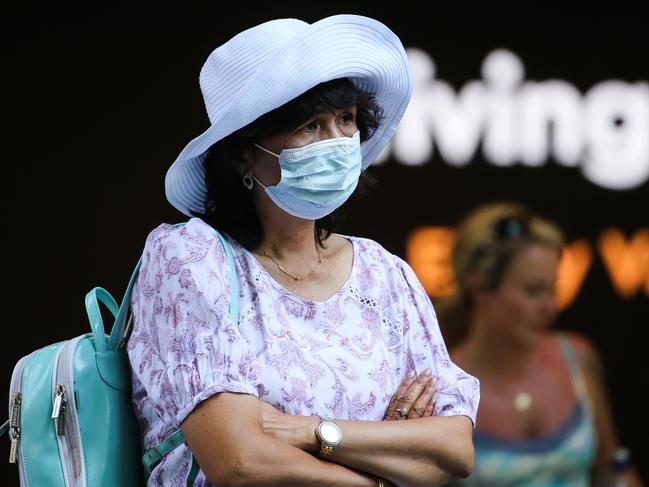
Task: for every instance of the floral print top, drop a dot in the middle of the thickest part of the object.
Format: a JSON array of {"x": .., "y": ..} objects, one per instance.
[{"x": 341, "y": 358}]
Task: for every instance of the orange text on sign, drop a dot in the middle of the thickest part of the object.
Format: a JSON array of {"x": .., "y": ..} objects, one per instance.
[{"x": 428, "y": 250}]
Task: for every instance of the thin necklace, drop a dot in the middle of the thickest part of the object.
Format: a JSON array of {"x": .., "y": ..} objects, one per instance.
[{"x": 293, "y": 276}]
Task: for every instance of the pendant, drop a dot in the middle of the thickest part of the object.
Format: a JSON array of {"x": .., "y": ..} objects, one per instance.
[{"x": 522, "y": 401}]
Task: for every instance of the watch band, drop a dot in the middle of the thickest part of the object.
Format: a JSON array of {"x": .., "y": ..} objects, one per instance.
[{"x": 326, "y": 450}]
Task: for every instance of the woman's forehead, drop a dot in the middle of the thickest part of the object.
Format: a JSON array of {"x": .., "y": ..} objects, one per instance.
[{"x": 534, "y": 259}]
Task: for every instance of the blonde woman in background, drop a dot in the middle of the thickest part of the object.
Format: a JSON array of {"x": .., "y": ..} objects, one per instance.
[{"x": 544, "y": 418}]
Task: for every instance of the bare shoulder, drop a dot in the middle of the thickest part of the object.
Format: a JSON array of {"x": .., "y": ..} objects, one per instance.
[{"x": 587, "y": 353}]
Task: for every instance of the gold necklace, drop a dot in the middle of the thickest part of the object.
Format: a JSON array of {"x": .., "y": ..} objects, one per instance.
[{"x": 294, "y": 277}]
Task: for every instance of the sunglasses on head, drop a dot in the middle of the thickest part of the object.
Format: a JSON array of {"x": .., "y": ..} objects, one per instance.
[{"x": 510, "y": 227}]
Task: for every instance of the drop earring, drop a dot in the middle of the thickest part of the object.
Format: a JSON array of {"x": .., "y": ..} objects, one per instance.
[{"x": 247, "y": 181}]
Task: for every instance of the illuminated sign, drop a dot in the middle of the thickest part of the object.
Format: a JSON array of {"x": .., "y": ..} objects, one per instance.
[
  {"x": 605, "y": 132},
  {"x": 428, "y": 251},
  {"x": 627, "y": 262}
]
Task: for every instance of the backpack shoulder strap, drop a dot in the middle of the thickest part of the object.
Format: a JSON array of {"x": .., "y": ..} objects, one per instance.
[
  {"x": 122, "y": 326},
  {"x": 234, "y": 281},
  {"x": 154, "y": 455}
]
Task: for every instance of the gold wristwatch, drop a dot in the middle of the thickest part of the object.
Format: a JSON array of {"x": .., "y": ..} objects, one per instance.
[{"x": 330, "y": 435}]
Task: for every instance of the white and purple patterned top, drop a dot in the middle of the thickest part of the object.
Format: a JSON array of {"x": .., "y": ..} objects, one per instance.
[{"x": 342, "y": 358}]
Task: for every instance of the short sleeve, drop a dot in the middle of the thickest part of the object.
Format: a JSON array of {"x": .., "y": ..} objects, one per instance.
[
  {"x": 458, "y": 393},
  {"x": 185, "y": 347}
]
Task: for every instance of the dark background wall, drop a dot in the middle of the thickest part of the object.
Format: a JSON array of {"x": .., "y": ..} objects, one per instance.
[{"x": 97, "y": 108}]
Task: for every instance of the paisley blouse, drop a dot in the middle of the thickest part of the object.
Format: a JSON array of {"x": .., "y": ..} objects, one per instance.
[{"x": 341, "y": 358}]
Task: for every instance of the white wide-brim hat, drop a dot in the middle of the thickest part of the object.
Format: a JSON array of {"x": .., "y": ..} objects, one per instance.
[{"x": 268, "y": 65}]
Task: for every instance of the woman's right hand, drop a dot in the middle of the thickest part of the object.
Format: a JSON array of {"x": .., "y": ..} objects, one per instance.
[{"x": 416, "y": 394}]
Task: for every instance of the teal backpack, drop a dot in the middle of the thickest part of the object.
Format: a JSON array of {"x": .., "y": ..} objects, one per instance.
[{"x": 71, "y": 420}]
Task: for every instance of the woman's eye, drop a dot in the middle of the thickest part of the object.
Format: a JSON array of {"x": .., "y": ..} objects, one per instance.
[
  {"x": 347, "y": 117},
  {"x": 311, "y": 126}
]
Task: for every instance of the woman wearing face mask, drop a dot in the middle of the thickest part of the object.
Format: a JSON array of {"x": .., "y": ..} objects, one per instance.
[
  {"x": 544, "y": 418},
  {"x": 333, "y": 371}
]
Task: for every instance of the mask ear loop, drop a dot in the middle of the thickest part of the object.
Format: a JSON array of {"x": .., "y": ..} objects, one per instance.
[
  {"x": 265, "y": 150},
  {"x": 259, "y": 182},
  {"x": 269, "y": 152}
]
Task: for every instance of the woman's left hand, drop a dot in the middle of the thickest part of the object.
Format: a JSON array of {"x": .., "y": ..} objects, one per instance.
[{"x": 414, "y": 397}]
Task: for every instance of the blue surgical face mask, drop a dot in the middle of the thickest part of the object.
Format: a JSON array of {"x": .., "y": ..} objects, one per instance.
[{"x": 316, "y": 178}]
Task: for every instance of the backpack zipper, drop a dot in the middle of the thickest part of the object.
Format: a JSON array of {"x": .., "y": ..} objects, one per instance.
[
  {"x": 59, "y": 408},
  {"x": 64, "y": 415},
  {"x": 59, "y": 418},
  {"x": 15, "y": 404},
  {"x": 14, "y": 426}
]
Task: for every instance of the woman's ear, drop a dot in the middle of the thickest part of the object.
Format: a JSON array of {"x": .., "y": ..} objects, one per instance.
[{"x": 245, "y": 165}]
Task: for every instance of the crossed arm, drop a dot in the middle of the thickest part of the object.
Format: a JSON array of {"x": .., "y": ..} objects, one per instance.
[{"x": 258, "y": 445}]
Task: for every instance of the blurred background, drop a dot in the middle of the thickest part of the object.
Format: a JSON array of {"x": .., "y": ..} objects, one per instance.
[{"x": 548, "y": 110}]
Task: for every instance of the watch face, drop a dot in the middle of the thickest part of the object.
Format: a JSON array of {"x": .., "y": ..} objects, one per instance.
[{"x": 330, "y": 432}]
